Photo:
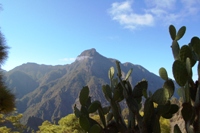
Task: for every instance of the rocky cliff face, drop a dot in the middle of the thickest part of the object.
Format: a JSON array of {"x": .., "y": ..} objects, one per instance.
[{"x": 49, "y": 92}]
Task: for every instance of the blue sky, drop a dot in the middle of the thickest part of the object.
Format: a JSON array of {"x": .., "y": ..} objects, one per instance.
[{"x": 56, "y": 32}]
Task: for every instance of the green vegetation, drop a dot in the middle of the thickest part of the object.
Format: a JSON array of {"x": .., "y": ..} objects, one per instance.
[
  {"x": 10, "y": 123},
  {"x": 67, "y": 124},
  {"x": 7, "y": 99},
  {"x": 185, "y": 59},
  {"x": 151, "y": 118},
  {"x": 118, "y": 90}
]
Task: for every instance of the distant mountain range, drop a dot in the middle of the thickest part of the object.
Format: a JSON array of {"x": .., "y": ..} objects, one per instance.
[{"x": 49, "y": 92}]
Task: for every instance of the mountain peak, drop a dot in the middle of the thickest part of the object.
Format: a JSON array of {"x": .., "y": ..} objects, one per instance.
[{"x": 89, "y": 52}]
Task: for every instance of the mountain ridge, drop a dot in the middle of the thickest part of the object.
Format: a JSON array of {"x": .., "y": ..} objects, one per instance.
[{"x": 56, "y": 88}]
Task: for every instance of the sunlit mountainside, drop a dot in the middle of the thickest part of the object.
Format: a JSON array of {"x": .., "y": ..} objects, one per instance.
[{"x": 49, "y": 92}]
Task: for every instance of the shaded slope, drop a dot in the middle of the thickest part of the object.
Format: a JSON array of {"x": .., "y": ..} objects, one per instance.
[{"x": 59, "y": 86}]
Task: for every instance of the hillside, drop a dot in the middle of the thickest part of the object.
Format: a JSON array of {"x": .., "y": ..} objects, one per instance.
[{"x": 49, "y": 92}]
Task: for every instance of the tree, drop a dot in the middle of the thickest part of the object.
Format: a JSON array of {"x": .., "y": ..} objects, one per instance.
[
  {"x": 11, "y": 123},
  {"x": 7, "y": 99},
  {"x": 67, "y": 124}
]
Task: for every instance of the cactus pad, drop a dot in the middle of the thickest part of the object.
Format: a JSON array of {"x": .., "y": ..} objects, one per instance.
[
  {"x": 172, "y": 31},
  {"x": 94, "y": 106},
  {"x": 140, "y": 88},
  {"x": 84, "y": 95},
  {"x": 119, "y": 74},
  {"x": 169, "y": 85},
  {"x": 128, "y": 74},
  {"x": 163, "y": 73},
  {"x": 148, "y": 109},
  {"x": 77, "y": 111},
  {"x": 106, "y": 110},
  {"x": 164, "y": 109},
  {"x": 161, "y": 96},
  {"x": 175, "y": 49},
  {"x": 95, "y": 129},
  {"x": 195, "y": 41},
  {"x": 180, "y": 72},
  {"x": 107, "y": 92},
  {"x": 118, "y": 93},
  {"x": 111, "y": 72},
  {"x": 187, "y": 112},
  {"x": 109, "y": 117},
  {"x": 177, "y": 129},
  {"x": 84, "y": 123},
  {"x": 180, "y": 33},
  {"x": 185, "y": 52}
]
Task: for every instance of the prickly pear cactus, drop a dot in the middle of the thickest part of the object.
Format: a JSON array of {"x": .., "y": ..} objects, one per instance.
[
  {"x": 186, "y": 57},
  {"x": 119, "y": 90}
]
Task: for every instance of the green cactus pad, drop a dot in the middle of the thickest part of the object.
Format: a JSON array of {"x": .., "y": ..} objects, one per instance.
[
  {"x": 109, "y": 117},
  {"x": 161, "y": 96},
  {"x": 148, "y": 109},
  {"x": 180, "y": 72},
  {"x": 164, "y": 109},
  {"x": 140, "y": 88},
  {"x": 173, "y": 108},
  {"x": 163, "y": 73},
  {"x": 193, "y": 92},
  {"x": 119, "y": 74},
  {"x": 185, "y": 52},
  {"x": 94, "y": 106},
  {"x": 128, "y": 74},
  {"x": 172, "y": 31},
  {"x": 144, "y": 93},
  {"x": 169, "y": 85},
  {"x": 198, "y": 69},
  {"x": 77, "y": 112},
  {"x": 187, "y": 111},
  {"x": 175, "y": 49},
  {"x": 107, "y": 92},
  {"x": 102, "y": 117},
  {"x": 106, "y": 110},
  {"x": 177, "y": 129},
  {"x": 111, "y": 72},
  {"x": 180, "y": 33},
  {"x": 84, "y": 94},
  {"x": 189, "y": 67},
  {"x": 128, "y": 86},
  {"x": 87, "y": 104},
  {"x": 118, "y": 93},
  {"x": 95, "y": 129},
  {"x": 115, "y": 81},
  {"x": 167, "y": 116},
  {"x": 84, "y": 123},
  {"x": 195, "y": 41},
  {"x": 156, "y": 126},
  {"x": 150, "y": 93},
  {"x": 115, "y": 110},
  {"x": 84, "y": 111},
  {"x": 194, "y": 58}
]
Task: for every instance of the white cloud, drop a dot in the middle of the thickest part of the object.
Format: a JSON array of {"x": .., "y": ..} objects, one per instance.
[
  {"x": 154, "y": 12},
  {"x": 124, "y": 14},
  {"x": 68, "y": 59},
  {"x": 79, "y": 58}
]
